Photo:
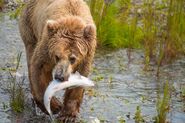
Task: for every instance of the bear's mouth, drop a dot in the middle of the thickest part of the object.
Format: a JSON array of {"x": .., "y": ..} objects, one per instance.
[
  {"x": 61, "y": 78},
  {"x": 59, "y": 75}
]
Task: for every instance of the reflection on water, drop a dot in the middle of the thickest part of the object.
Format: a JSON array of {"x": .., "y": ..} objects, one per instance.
[{"x": 120, "y": 87}]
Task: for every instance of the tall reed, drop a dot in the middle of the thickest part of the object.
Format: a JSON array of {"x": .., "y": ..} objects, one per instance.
[
  {"x": 174, "y": 39},
  {"x": 150, "y": 31},
  {"x": 163, "y": 105},
  {"x": 15, "y": 88}
]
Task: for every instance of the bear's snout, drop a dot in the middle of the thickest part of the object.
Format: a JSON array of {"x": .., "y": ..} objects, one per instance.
[
  {"x": 61, "y": 72},
  {"x": 60, "y": 77}
]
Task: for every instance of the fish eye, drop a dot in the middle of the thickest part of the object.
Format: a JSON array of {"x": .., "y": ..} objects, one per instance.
[{"x": 72, "y": 59}]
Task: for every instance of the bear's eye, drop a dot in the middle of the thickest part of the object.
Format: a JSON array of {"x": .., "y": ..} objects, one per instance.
[
  {"x": 72, "y": 60},
  {"x": 57, "y": 58}
]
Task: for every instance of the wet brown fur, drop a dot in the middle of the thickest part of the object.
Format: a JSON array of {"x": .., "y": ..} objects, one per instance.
[{"x": 71, "y": 30}]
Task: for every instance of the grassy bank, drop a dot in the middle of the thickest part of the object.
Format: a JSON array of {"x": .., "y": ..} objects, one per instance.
[{"x": 157, "y": 27}]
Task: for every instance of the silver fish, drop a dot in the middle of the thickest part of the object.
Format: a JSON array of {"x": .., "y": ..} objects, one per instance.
[{"x": 75, "y": 80}]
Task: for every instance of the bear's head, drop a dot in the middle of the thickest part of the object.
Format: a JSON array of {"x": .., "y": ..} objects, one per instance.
[{"x": 70, "y": 40}]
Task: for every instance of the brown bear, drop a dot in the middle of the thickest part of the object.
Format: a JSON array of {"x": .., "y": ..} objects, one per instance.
[{"x": 59, "y": 38}]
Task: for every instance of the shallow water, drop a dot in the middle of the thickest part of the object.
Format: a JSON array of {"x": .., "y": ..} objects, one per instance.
[{"x": 121, "y": 84}]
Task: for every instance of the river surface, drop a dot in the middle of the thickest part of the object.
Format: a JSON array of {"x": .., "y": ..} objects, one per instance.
[{"x": 121, "y": 84}]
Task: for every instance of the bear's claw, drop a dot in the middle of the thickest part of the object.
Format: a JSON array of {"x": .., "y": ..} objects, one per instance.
[{"x": 67, "y": 119}]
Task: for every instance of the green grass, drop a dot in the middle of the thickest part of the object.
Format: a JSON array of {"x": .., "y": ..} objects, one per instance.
[
  {"x": 112, "y": 28},
  {"x": 149, "y": 29},
  {"x": 175, "y": 32}
]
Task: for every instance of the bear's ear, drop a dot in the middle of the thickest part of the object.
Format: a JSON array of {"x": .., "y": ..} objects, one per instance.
[
  {"x": 89, "y": 32},
  {"x": 52, "y": 27}
]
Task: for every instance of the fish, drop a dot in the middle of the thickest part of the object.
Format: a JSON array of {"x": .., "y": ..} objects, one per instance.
[{"x": 74, "y": 80}]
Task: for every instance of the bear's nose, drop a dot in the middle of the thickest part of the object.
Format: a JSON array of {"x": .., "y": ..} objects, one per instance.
[{"x": 59, "y": 77}]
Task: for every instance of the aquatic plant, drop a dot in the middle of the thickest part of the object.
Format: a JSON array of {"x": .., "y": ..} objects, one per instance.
[
  {"x": 163, "y": 105},
  {"x": 91, "y": 92},
  {"x": 183, "y": 91},
  {"x": 174, "y": 35},
  {"x": 17, "y": 97},
  {"x": 138, "y": 116},
  {"x": 5, "y": 106},
  {"x": 15, "y": 13},
  {"x": 149, "y": 30},
  {"x": 101, "y": 119},
  {"x": 15, "y": 89},
  {"x": 121, "y": 120},
  {"x": 98, "y": 78},
  {"x": 164, "y": 31},
  {"x": 1, "y": 4}
]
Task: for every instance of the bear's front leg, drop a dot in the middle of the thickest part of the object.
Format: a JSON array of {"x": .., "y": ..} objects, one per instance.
[
  {"x": 41, "y": 75},
  {"x": 72, "y": 101},
  {"x": 73, "y": 97}
]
